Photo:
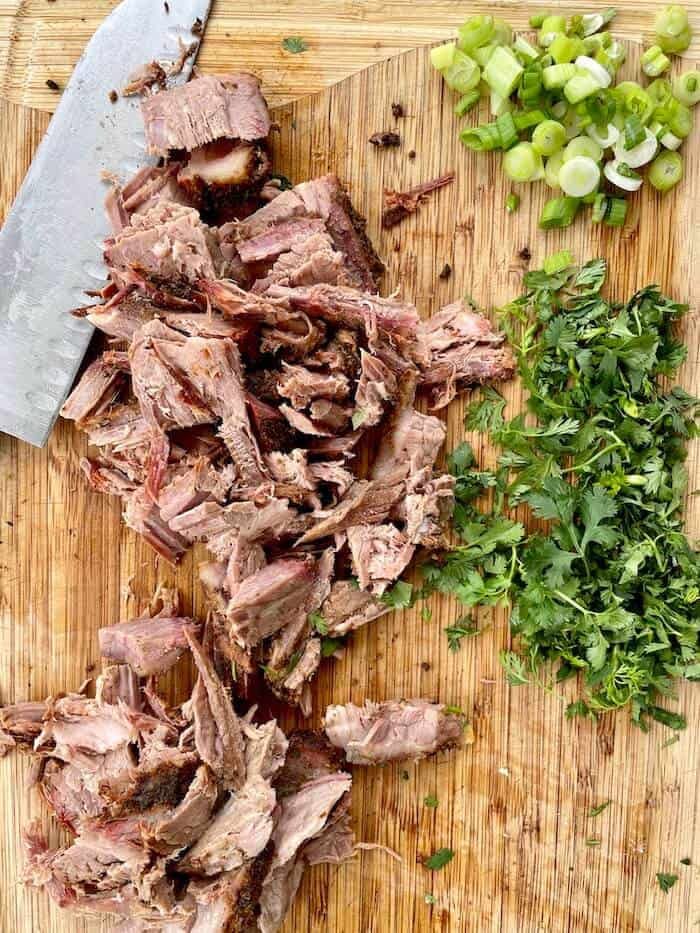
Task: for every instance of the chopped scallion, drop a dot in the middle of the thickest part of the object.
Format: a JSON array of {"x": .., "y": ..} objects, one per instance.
[
  {"x": 503, "y": 71},
  {"x": 654, "y": 62},
  {"x": 687, "y": 88},
  {"x": 467, "y": 102},
  {"x": 672, "y": 29},
  {"x": 559, "y": 212},
  {"x": 512, "y": 203},
  {"x": 666, "y": 171},
  {"x": 557, "y": 262},
  {"x": 616, "y": 212}
]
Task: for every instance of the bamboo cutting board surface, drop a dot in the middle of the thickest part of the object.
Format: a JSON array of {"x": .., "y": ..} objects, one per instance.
[{"x": 513, "y": 806}]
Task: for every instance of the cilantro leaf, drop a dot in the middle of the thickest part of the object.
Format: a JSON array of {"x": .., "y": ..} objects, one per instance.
[
  {"x": 514, "y": 667},
  {"x": 666, "y": 881},
  {"x": 430, "y": 801},
  {"x": 596, "y": 811},
  {"x": 329, "y": 646},
  {"x": 294, "y": 44},
  {"x": 400, "y": 596},
  {"x": 439, "y": 859},
  {"x": 463, "y": 628},
  {"x": 318, "y": 622}
]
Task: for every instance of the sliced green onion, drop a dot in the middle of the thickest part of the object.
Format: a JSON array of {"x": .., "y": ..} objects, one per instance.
[
  {"x": 654, "y": 62},
  {"x": 512, "y": 203},
  {"x": 467, "y": 103},
  {"x": 635, "y": 100},
  {"x": 579, "y": 176},
  {"x": 463, "y": 74},
  {"x": 666, "y": 171},
  {"x": 573, "y": 123},
  {"x": 442, "y": 56},
  {"x": 531, "y": 85},
  {"x": 503, "y": 33},
  {"x": 622, "y": 176},
  {"x": 526, "y": 119},
  {"x": 537, "y": 19},
  {"x": 687, "y": 88},
  {"x": 551, "y": 27},
  {"x": 660, "y": 92},
  {"x": 581, "y": 86},
  {"x": 681, "y": 120},
  {"x": 605, "y": 138},
  {"x": 523, "y": 48},
  {"x": 477, "y": 31},
  {"x": 611, "y": 56},
  {"x": 548, "y": 137},
  {"x": 669, "y": 141},
  {"x": 640, "y": 154},
  {"x": 565, "y": 49},
  {"x": 559, "y": 212},
  {"x": 557, "y": 262},
  {"x": 672, "y": 29},
  {"x": 507, "y": 130},
  {"x": 583, "y": 146},
  {"x": 616, "y": 212},
  {"x": 484, "y": 138},
  {"x": 600, "y": 209},
  {"x": 483, "y": 54},
  {"x": 523, "y": 164},
  {"x": 553, "y": 167},
  {"x": 556, "y": 76},
  {"x": 595, "y": 69},
  {"x": 499, "y": 105},
  {"x": 634, "y": 131},
  {"x": 559, "y": 109},
  {"x": 503, "y": 72},
  {"x": 593, "y": 22}
]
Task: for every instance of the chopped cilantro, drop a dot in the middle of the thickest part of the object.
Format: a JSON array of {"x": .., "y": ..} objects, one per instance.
[
  {"x": 686, "y": 861},
  {"x": 400, "y": 596},
  {"x": 430, "y": 899},
  {"x": 439, "y": 859},
  {"x": 609, "y": 588},
  {"x": 463, "y": 628},
  {"x": 595, "y": 811},
  {"x": 318, "y": 622},
  {"x": 329, "y": 646},
  {"x": 359, "y": 416},
  {"x": 426, "y": 613},
  {"x": 592, "y": 842}
]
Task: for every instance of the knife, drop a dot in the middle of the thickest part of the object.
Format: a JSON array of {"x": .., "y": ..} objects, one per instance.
[{"x": 51, "y": 243}]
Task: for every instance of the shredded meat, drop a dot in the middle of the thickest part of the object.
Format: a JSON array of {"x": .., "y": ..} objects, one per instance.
[{"x": 399, "y": 204}]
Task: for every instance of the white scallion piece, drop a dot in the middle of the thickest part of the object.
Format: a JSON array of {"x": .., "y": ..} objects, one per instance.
[
  {"x": 638, "y": 155},
  {"x": 579, "y": 176},
  {"x": 604, "y": 140},
  {"x": 595, "y": 69},
  {"x": 611, "y": 171}
]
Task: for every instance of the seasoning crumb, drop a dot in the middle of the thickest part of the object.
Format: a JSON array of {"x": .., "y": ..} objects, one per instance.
[
  {"x": 425, "y": 665},
  {"x": 166, "y": 6},
  {"x": 446, "y": 271},
  {"x": 405, "y": 776},
  {"x": 52, "y": 85},
  {"x": 525, "y": 254},
  {"x": 412, "y": 154},
  {"x": 385, "y": 140},
  {"x": 197, "y": 27},
  {"x": 397, "y": 111},
  {"x": 113, "y": 96}
]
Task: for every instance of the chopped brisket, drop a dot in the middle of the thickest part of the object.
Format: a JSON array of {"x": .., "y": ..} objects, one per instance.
[
  {"x": 380, "y": 554},
  {"x": 301, "y": 385},
  {"x": 149, "y": 646},
  {"x": 97, "y": 388},
  {"x": 348, "y": 608},
  {"x": 412, "y": 444},
  {"x": 20, "y": 724},
  {"x": 376, "y": 389},
  {"x": 396, "y": 730},
  {"x": 366, "y": 502}
]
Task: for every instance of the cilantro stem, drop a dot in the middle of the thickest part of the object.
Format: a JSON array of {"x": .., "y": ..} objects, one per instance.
[{"x": 601, "y": 453}]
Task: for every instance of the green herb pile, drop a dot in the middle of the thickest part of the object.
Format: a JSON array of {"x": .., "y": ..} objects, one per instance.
[
  {"x": 607, "y": 586},
  {"x": 559, "y": 116}
]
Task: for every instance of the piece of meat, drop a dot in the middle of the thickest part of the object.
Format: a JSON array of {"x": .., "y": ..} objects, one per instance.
[
  {"x": 303, "y": 423},
  {"x": 349, "y": 307},
  {"x": 347, "y": 607},
  {"x": 193, "y": 484},
  {"x": 220, "y": 525},
  {"x": 462, "y": 350},
  {"x": 380, "y": 554},
  {"x": 223, "y": 168},
  {"x": 301, "y": 385},
  {"x": 325, "y": 197},
  {"x": 428, "y": 511},
  {"x": 304, "y": 814},
  {"x": 228, "y": 903},
  {"x": 149, "y": 646},
  {"x": 20, "y": 724},
  {"x": 396, "y": 730},
  {"x": 335, "y": 845},
  {"x": 308, "y": 262},
  {"x": 376, "y": 389},
  {"x": 265, "y": 749},
  {"x": 399, "y": 204},
  {"x": 294, "y": 687},
  {"x": 412, "y": 444},
  {"x": 239, "y": 831},
  {"x": 122, "y": 315},
  {"x": 144, "y": 79},
  {"x": 265, "y": 601},
  {"x": 279, "y": 239},
  {"x": 365, "y": 503},
  {"x": 293, "y": 470},
  {"x": 95, "y": 391},
  {"x": 168, "y": 244},
  {"x": 203, "y": 110},
  {"x": 118, "y": 683},
  {"x": 179, "y": 828},
  {"x": 385, "y": 140},
  {"x": 309, "y": 756},
  {"x": 334, "y": 475},
  {"x": 122, "y": 427},
  {"x": 218, "y": 733},
  {"x": 340, "y": 354},
  {"x": 161, "y": 779},
  {"x": 278, "y": 892},
  {"x": 143, "y": 517}
]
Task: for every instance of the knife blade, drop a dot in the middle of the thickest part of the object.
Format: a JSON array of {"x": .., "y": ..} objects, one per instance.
[{"x": 51, "y": 243}]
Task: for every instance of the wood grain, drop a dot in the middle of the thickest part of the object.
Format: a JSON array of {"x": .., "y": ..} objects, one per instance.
[{"x": 513, "y": 806}]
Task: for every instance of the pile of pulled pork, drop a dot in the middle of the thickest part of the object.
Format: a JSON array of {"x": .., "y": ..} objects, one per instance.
[
  {"x": 258, "y": 394},
  {"x": 196, "y": 819}
]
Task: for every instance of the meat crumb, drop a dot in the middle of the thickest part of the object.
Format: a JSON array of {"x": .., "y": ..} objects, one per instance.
[
  {"x": 52, "y": 85},
  {"x": 385, "y": 140},
  {"x": 412, "y": 154},
  {"x": 425, "y": 665},
  {"x": 145, "y": 78},
  {"x": 166, "y": 6},
  {"x": 397, "y": 110},
  {"x": 446, "y": 271},
  {"x": 197, "y": 27},
  {"x": 525, "y": 254},
  {"x": 399, "y": 204},
  {"x": 113, "y": 96}
]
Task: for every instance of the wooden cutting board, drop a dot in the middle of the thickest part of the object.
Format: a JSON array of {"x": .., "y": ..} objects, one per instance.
[{"x": 513, "y": 806}]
